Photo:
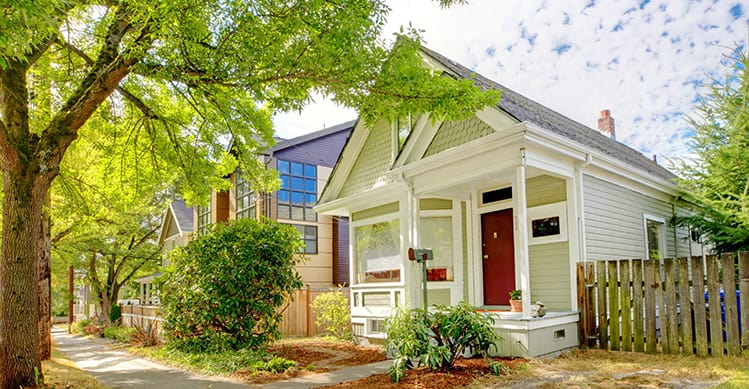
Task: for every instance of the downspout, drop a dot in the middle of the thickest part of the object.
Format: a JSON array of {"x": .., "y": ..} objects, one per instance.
[
  {"x": 581, "y": 207},
  {"x": 676, "y": 235}
]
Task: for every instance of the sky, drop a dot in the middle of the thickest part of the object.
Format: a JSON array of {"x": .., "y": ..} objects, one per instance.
[{"x": 646, "y": 61}]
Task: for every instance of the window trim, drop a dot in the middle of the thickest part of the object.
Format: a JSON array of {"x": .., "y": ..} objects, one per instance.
[
  {"x": 662, "y": 244},
  {"x": 306, "y": 207},
  {"x": 353, "y": 264}
]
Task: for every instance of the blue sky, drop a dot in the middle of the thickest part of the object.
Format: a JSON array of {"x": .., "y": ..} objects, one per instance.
[{"x": 647, "y": 61}]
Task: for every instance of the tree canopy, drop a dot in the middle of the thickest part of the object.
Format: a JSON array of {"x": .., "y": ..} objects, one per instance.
[
  {"x": 717, "y": 177},
  {"x": 198, "y": 77}
]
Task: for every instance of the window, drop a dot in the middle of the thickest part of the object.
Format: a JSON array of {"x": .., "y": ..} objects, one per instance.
[
  {"x": 493, "y": 196},
  {"x": 655, "y": 232},
  {"x": 309, "y": 237},
  {"x": 245, "y": 198},
  {"x": 298, "y": 193},
  {"x": 437, "y": 234},
  {"x": 377, "y": 252},
  {"x": 204, "y": 219},
  {"x": 403, "y": 126}
]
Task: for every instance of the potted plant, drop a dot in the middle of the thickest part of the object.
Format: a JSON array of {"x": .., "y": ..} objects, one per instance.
[{"x": 516, "y": 304}]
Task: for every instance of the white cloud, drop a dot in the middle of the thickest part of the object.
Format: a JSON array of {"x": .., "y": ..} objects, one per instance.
[{"x": 644, "y": 63}]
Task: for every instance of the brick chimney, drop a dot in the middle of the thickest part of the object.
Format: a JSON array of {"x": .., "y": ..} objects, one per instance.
[{"x": 606, "y": 124}]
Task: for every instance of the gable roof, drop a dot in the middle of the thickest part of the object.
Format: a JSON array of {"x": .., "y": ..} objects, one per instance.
[
  {"x": 285, "y": 144},
  {"x": 526, "y": 110},
  {"x": 178, "y": 213}
]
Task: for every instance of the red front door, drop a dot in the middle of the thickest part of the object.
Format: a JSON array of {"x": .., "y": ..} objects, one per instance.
[{"x": 498, "y": 253}]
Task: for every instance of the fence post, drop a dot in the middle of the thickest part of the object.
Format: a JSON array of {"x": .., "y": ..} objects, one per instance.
[
  {"x": 613, "y": 305},
  {"x": 638, "y": 306},
  {"x": 744, "y": 294},
  {"x": 685, "y": 304},
  {"x": 669, "y": 290},
  {"x": 729, "y": 304},
  {"x": 582, "y": 303},
  {"x": 591, "y": 307},
  {"x": 713, "y": 302},
  {"x": 624, "y": 281},
  {"x": 700, "y": 317},
  {"x": 650, "y": 288},
  {"x": 603, "y": 326},
  {"x": 309, "y": 312}
]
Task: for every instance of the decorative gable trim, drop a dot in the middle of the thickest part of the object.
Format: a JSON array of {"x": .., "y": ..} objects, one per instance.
[{"x": 343, "y": 168}]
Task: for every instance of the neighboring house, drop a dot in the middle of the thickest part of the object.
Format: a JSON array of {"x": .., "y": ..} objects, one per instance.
[
  {"x": 304, "y": 164},
  {"x": 176, "y": 230},
  {"x": 510, "y": 198}
]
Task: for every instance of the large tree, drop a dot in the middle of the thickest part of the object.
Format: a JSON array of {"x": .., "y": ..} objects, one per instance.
[
  {"x": 716, "y": 178},
  {"x": 200, "y": 75}
]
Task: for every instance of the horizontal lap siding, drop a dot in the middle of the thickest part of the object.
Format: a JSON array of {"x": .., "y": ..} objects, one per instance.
[
  {"x": 614, "y": 226},
  {"x": 550, "y": 275},
  {"x": 543, "y": 190}
]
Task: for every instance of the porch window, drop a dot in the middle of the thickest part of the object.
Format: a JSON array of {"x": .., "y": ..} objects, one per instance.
[
  {"x": 377, "y": 252},
  {"x": 436, "y": 234},
  {"x": 204, "y": 219},
  {"x": 655, "y": 233}
]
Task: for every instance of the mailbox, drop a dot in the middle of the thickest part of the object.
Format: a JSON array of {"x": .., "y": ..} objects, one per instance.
[{"x": 420, "y": 255}]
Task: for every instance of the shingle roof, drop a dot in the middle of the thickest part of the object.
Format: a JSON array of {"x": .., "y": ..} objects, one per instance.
[
  {"x": 527, "y": 110},
  {"x": 183, "y": 215},
  {"x": 283, "y": 144}
]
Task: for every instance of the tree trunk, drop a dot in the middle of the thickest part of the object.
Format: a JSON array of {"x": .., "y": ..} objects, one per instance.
[
  {"x": 45, "y": 284},
  {"x": 19, "y": 276}
]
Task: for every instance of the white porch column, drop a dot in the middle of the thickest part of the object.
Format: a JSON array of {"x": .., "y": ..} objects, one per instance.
[
  {"x": 521, "y": 235},
  {"x": 412, "y": 270}
]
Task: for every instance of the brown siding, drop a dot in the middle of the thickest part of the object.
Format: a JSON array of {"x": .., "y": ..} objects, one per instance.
[
  {"x": 222, "y": 207},
  {"x": 340, "y": 251}
]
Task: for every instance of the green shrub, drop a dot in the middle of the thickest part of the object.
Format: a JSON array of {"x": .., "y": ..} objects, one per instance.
[
  {"x": 333, "y": 312},
  {"x": 118, "y": 333},
  {"x": 226, "y": 287},
  {"x": 436, "y": 339},
  {"x": 115, "y": 314},
  {"x": 79, "y": 327}
]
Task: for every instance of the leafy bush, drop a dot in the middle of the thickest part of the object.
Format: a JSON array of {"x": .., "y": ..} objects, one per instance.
[
  {"x": 79, "y": 327},
  {"x": 115, "y": 313},
  {"x": 226, "y": 287},
  {"x": 118, "y": 333},
  {"x": 95, "y": 328},
  {"x": 275, "y": 365},
  {"x": 436, "y": 339},
  {"x": 219, "y": 362},
  {"x": 333, "y": 311},
  {"x": 145, "y": 335}
]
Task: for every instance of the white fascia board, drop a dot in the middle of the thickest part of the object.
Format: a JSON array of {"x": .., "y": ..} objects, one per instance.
[
  {"x": 605, "y": 162},
  {"x": 359, "y": 135},
  {"x": 347, "y": 205}
]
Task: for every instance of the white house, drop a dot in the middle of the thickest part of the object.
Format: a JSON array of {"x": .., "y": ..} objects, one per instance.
[{"x": 510, "y": 198}]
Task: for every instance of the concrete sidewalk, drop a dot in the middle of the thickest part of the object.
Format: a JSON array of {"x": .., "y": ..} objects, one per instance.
[{"x": 120, "y": 369}]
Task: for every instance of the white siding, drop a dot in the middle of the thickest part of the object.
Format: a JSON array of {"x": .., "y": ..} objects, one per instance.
[
  {"x": 614, "y": 226},
  {"x": 550, "y": 275}
]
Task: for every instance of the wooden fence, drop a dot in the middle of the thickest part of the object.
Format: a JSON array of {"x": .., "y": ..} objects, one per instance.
[
  {"x": 684, "y": 305},
  {"x": 298, "y": 316}
]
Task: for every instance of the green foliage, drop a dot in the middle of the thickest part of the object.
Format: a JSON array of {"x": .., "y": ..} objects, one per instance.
[
  {"x": 516, "y": 294},
  {"x": 145, "y": 334},
  {"x": 222, "y": 362},
  {"x": 333, "y": 311},
  {"x": 717, "y": 178},
  {"x": 79, "y": 327},
  {"x": 121, "y": 334},
  {"x": 436, "y": 339},
  {"x": 115, "y": 313},
  {"x": 226, "y": 287}
]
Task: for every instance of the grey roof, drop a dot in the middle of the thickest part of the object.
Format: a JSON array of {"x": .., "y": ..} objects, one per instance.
[
  {"x": 527, "y": 110},
  {"x": 284, "y": 144},
  {"x": 183, "y": 215}
]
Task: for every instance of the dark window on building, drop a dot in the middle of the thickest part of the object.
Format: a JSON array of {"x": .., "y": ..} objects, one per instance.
[
  {"x": 545, "y": 227},
  {"x": 493, "y": 196},
  {"x": 204, "y": 219},
  {"x": 245, "y": 198},
  {"x": 298, "y": 193},
  {"x": 309, "y": 237}
]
